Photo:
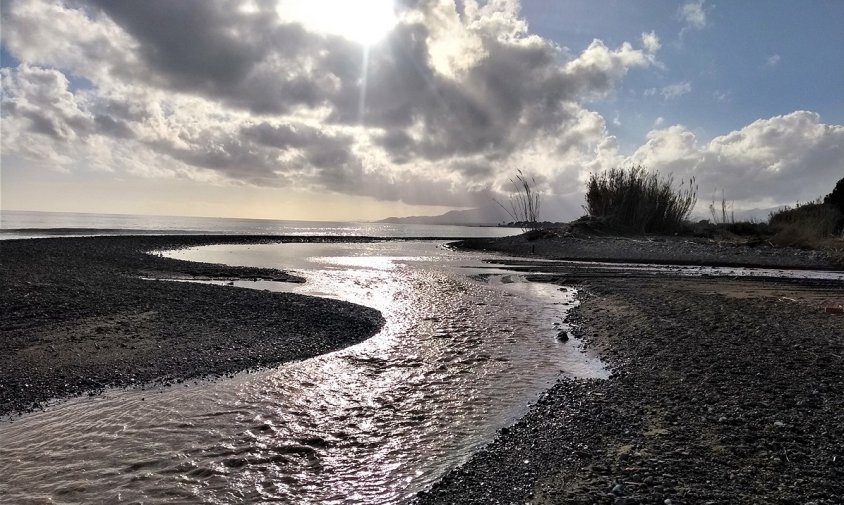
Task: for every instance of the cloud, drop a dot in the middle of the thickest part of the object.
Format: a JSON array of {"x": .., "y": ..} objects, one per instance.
[
  {"x": 616, "y": 120},
  {"x": 442, "y": 111},
  {"x": 772, "y": 61},
  {"x": 452, "y": 100},
  {"x": 676, "y": 90},
  {"x": 693, "y": 15},
  {"x": 767, "y": 163},
  {"x": 650, "y": 42},
  {"x": 721, "y": 96}
]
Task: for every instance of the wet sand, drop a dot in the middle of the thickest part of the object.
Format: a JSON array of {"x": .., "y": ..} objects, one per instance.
[
  {"x": 77, "y": 315},
  {"x": 723, "y": 391}
]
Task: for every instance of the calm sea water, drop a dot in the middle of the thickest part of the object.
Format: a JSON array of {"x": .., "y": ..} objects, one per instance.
[{"x": 26, "y": 224}]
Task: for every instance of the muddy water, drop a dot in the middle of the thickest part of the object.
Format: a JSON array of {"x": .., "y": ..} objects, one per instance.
[{"x": 465, "y": 348}]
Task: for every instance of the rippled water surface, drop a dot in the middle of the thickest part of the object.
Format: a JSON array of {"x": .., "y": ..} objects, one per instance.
[{"x": 465, "y": 348}]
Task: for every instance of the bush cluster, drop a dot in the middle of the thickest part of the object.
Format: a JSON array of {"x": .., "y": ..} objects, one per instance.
[
  {"x": 805, "y": 224},
  {"x": 836, "y": 197},
  {"x": 638, "y": 201}
]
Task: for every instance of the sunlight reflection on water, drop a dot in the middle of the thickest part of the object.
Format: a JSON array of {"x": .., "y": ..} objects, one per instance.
[{"x": 457, "y": 359}]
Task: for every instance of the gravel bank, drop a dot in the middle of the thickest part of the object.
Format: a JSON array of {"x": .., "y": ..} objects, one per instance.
[
  {"x": 723, "y": 391},
  {"x": 658, "y": 249},
  {"x": 76, "y": 317}
]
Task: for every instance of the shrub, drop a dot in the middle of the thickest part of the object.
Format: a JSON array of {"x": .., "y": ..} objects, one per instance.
[
  {"x": 750, "y": 227},
  {"x": 805, "y": 224},
  {"x": 635, "y": 200},
  {"x": 836, "y": 198}
]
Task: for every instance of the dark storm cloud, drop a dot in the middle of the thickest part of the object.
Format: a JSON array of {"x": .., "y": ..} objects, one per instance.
[
  {"x": 211, "y": 48},
  {"x": 186, "y": 40}
]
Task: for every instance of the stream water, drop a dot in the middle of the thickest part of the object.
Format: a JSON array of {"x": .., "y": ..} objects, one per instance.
[{"x": 465, "y": 348}]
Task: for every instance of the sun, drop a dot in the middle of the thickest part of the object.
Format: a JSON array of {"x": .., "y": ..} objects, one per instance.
[{"x": 362, "y": 21}]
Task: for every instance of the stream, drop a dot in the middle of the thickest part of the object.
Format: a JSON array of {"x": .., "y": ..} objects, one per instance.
[{"x": 466, "y": 347}]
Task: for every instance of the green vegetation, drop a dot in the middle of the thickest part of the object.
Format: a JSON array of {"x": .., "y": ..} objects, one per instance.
[
  {"x": 810, "y": 224},
  {"x": 806, "y": 224},
  {"x": 638, "y": 201},
  {"x": 635, "y": 200},
  {"x": 836, "y": 198}
]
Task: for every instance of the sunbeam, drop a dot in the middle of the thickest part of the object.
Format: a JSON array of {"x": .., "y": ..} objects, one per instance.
[
  {"x": 364, "y": 22},
  {"x": 364, "y": 69}
]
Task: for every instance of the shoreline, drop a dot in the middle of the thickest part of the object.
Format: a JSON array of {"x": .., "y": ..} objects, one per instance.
[
  {"x": 715, "y": 380},
  {"x": 657, "y": 250},
  {"x": 87, "y": 313},
  {"x": 722, "y": 391}
]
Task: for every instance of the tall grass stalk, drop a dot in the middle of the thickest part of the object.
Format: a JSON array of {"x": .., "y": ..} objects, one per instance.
[
  {"x": 523, "y": 201},
  {"x": 725, "y": 216}
]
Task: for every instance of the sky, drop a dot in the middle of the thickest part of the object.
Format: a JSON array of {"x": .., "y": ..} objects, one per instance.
[{"x": 339, "y": 110}]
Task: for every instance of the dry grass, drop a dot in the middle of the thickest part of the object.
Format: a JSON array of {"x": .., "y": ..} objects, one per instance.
[{"x": 807, "y": 225}]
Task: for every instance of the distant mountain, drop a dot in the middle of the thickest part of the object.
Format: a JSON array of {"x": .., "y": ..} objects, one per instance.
[{"x": 480, "y": 216}]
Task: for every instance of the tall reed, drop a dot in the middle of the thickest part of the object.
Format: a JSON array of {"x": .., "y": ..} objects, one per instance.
[
  {"x": 636, "y": 200},
  {"x": 523, "y": 201}
]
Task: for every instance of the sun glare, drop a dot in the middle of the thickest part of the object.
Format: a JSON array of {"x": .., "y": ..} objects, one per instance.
[{"x": 362, "y": 21}]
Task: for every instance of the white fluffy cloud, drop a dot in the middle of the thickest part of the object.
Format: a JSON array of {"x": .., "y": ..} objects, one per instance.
[
  {"x": 650, "y": 42},
  {"x": 693, "y": 15},
  {"x": 767, "y": 163}
]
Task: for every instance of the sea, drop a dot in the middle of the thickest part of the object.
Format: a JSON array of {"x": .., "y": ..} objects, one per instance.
[{"x": 32, "y": 224}]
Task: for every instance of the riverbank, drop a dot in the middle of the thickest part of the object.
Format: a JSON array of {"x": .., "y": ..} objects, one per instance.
[
  {"x": 78, "y": 315},
  {"x": 678, "y": 250},
  {"x": 723, "y": 391}
]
